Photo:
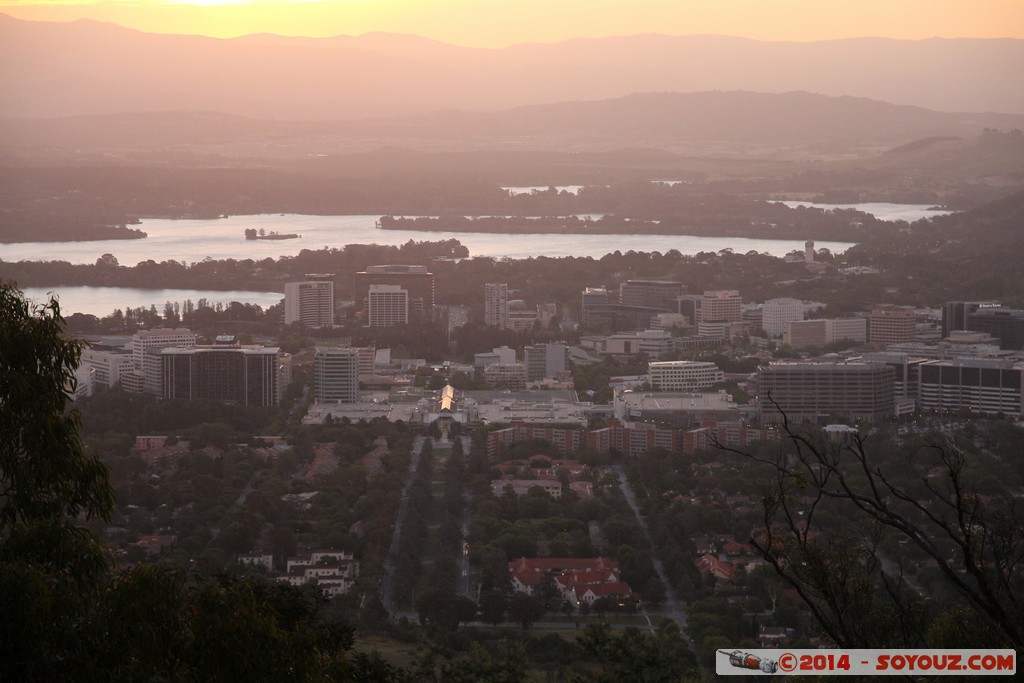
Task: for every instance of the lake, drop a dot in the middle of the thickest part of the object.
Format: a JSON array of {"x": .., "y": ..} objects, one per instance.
[
  {"x": 883, "y": 211},
  {"x": 189, "y": 241},
  {"x": 223, "y": 238}
]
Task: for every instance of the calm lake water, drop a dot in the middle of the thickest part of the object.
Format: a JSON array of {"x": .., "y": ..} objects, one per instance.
[
  {"x": 189, "y": 241},
  {"x": 193, "y": 240},
  {"x": 883, "y": 211}
]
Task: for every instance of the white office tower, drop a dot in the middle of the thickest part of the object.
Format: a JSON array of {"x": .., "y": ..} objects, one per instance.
[
  {"x": 336, "y": 374},
  {"x": 496, "y": 304},
  {"x": 109, "y": 365},
  {"x": 146, "y": 347},
  {"x": 310, "y": 303},
  {"x": 387, "y": 305},
  {"x": 775, "y": 313}
]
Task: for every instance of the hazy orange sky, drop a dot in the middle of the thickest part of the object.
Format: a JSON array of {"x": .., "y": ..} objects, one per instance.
[{"x": 496, "y": 23}]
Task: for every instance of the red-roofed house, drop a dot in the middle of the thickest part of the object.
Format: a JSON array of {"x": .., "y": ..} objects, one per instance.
[{"x": 709, "y": 564}]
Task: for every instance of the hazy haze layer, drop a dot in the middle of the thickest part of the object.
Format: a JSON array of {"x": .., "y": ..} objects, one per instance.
[{"x": 52, "y": 69}]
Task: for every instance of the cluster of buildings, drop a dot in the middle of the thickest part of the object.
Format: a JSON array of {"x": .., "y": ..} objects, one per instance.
[
  {"x": 662, "y": 304},
  {"x": 514, "y": 314},
  {"x": 334, "y": 571},
  {"x": 171, "y": 364},
  {"x": 541, "y": 364},
  {"x": 579, "y": 580},
  {"x": 551, "y": 476},
  {"x": 385, "y": 295},
  {"x": 975, "y": 366},
  {"x": 722, "y": 556}
]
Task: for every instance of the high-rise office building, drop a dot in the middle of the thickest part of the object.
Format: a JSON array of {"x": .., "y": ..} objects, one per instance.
[
  {"x": 310, "y": 303},
  {"x": 591, "y": 298},
  {"x": 387, "y": 305},
  {"x": 1005, "y": 324},
  {"x": 225, "y": 371},
  {"x": 496, "y": 304},
  {"x": 146, "y": 346},
  {"x": 336, "y": 374},
  {"x": 954, "y": 314},
  {"x": 891, "y": 325},
  {"x": 417, "y": 281},
  {"x": 544, "y": 360},
  {"x": 721, "y": 305}
]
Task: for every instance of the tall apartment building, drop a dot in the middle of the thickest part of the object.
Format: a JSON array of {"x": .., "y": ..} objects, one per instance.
[
  {"x": 683, "y": 375},
  {"x": 387, "y": 305},
  {"x": 496, "y": 304},
  {"x": 650, "y": 293},
  {"x": 310, "y": 303},
  {"x": 544, "y": 360},
  {"x": 1005, "y": 324},
  {"x": 722, "y": 305},
  {"x": 336, "y": 374},
  {"x": 225, "y": 371},
  {"x": 416, "y": 280},
  {"x": 891, "y": 325},
  {"x": 146, "y": 346},
  {"x": 835, "y": 391},
  {"x": 775, "y": 313}
]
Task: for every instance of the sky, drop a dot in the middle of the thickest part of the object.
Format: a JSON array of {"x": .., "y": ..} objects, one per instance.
[{"x": 498, "y": 23}]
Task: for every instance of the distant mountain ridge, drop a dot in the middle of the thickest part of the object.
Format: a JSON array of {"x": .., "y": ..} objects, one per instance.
[
  {"x": 85, "y": 67},
  {"x": 709, "y": 123}
]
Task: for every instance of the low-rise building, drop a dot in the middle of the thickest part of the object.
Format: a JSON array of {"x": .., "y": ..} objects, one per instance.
[{"x": 683, "y": 375}]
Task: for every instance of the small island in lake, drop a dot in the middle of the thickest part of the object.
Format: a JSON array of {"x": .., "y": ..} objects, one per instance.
[{"x": 261, "y": 234}]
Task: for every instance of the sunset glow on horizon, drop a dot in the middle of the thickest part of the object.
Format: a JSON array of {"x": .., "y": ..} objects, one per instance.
[{"x": 498, "y": 23}]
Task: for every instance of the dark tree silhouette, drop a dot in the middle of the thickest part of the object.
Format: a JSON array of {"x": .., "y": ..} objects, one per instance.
[{"x": 858, "y": 595}]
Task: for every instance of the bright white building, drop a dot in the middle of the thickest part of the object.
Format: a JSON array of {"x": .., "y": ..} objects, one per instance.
[
  {"x": 146, "y": 346},
  {"x": 775, "y": 313},
  {"x": 109, "y": 365}
]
